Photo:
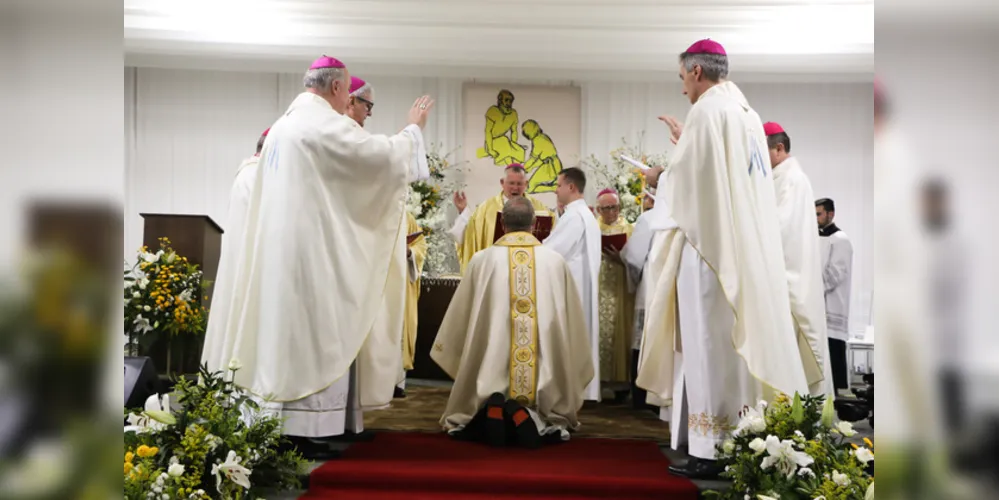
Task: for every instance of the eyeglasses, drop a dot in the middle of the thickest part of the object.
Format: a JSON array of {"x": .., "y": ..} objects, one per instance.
[
  {"x": 366, "y": 103},
  {"x": 609, "y": 208}
]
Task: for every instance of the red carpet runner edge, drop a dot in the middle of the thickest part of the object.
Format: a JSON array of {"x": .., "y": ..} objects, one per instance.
[{"x": 416, "y": 466}]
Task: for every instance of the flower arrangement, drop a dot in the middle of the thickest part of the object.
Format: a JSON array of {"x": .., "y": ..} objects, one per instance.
[
  {"x": 427, "y": 203},
  {"x": 624, "y": 177},
  {"x": 163, "y": 294},
  {"x": 792, "y": 449},
  {"x": 211, "y": 448}
]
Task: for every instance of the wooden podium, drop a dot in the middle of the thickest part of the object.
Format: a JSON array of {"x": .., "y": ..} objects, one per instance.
[{"x": 196, "y": 237}]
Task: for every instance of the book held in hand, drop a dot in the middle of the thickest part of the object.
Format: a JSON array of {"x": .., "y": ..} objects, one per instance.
[
  {"x": 411, "y": 237},
  {"x": 615, "y": 241},
  {"x": 542, "y": 226}
]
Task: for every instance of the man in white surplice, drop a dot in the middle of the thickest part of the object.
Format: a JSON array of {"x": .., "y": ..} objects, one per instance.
[
  {"x": 322, "y": 232},
  {"x": 536, "y": 354},
  {"x": 721, "y": 295},
  {"x": 802, "y": 259},
  {"x": 232, "y": 246},
  {"x": 577, "y": 239}
]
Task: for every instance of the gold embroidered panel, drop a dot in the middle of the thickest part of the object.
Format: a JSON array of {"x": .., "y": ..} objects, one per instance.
[{"x": 524, "y": 326}]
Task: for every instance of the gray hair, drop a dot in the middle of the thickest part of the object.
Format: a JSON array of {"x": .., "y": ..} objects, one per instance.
[
  {"x": 322, "y": 79},
  {"x": 714, "y": 66},
  {"x": 366, "y": 92},
  {"x": 518, "y": 215}
]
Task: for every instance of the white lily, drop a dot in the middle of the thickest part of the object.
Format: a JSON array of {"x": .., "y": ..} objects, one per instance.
[
  {"x": 155, "y": 417},
  {"x": 232, "y": 470},
  {"x": 752, "y": 421},
  {"x": 840, "y": 479},
  {"x": 864, "y": 455},
  {"x": 783, "y": 456},
  {"x": 141, "y": 325},
  {"x": 176, "y": 470},
  {"x": 870, "y": 492},
  {"x": 846, "y": 429}
]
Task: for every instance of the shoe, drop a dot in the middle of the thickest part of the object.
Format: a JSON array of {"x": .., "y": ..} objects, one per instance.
[
  {"x": 697, "y": 468},
  {"x": 495, "y": 423},
  {"x": 310, "y": 449},
  {"x": 524, "y": 428},
  {"x": 399, "y": 393},
  {"x": 353, "y": 437}
]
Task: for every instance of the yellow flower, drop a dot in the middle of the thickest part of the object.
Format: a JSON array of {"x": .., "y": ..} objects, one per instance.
[
  {"x": 868, "y": 443},
  {"x": 854, "y": 446},
  {"x": 128, "y": 467},
  {"x": 129, "y": 456},
  {"x": 146, "y": 451}
]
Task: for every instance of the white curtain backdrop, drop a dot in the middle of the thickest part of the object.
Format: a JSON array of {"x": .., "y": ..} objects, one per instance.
[{"x": 186, "y": 131}]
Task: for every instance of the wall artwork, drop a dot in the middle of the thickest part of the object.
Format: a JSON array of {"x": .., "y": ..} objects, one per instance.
[{"x": 537, "y": 126}]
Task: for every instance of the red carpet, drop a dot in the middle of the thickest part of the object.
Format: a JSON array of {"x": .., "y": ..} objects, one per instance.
[{"x": 433, "y": 466}]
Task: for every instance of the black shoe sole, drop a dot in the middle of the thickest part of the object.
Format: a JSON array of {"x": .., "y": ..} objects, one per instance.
[
  {"x": 525, "y": 430},
  {"x": 495, "y": 423}
]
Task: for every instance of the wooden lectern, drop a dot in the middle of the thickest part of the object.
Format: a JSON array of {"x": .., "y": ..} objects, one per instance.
[{"x": 196, "y": 237}]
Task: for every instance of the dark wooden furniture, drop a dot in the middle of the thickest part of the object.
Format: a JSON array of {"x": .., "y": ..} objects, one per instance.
[
  {"x": 196, "y": 237},
  {"x": 435, "y": 296}
]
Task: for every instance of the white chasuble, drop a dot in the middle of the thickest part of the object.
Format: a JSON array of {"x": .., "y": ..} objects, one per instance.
[
  {"x": 803, "y": 262},
  {"x": 577, "y": 239},
  {"x": 318, "y": 246},
  {"x": 232, "y": 245},
  {"x": 720, "y": 195},
  {"x": 516, "y": 326}
]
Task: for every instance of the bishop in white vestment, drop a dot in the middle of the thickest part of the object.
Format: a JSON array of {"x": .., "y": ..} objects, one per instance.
[
  {"x": 232, "y": 241},
  {"x": 324, "y": 227},
  {"x": 577, "y": 239},
  {"x": 802, "y": 259},
  {"x": 721, "y": 295},
  {"x": 516, "y": 326}
]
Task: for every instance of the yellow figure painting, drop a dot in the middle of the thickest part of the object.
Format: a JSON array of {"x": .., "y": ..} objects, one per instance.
[
  {"x": 501, "y": 132},
  {"x": 544, "y": 164}
]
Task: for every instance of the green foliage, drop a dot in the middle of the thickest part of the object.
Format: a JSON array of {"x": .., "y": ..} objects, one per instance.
[
  {"x": 785, "y": 450},
  {"x": 215, "y": 423}
]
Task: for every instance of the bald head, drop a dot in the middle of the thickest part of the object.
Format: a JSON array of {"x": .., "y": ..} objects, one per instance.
[
  {"x": 609, "y": 207},
  {"x": 518, "y": 215}
]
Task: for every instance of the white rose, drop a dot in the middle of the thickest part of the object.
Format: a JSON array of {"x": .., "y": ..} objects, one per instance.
[
  {"x": 846, "y": 429},
  {"x": 840, "y": 479},
  {"x": 147, "y": 308},
  {"x": 864, "y": 455},
  {"x": 136, "y": 295},
  {"x": 234, "y": 364},
  {"x": 758, "y": 445},
  {"x": 757, "y": 424},
  {"x": 176, "y": 470},
  {"x": 728, "y": 446}
]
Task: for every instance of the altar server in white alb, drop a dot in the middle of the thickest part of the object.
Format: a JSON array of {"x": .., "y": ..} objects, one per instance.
[
  {"x": 232, "y": 246},
  {"x": 577, "y": 239},
  {"x": 802, "y": 258},
  {"x": 721, "y": 296},
  {"x": 321, "y": 235},
  {"x": 837, "y": 272}
]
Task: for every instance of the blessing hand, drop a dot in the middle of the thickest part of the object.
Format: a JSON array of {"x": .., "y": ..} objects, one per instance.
[
  {"x": 460, "y": 201},
  {"x": 675, "y": 127}
]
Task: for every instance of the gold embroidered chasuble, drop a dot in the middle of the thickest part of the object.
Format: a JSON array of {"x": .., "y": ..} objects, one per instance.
[
  {"x": 617, "y": 308},
  {"x": 515, "y": 326}
]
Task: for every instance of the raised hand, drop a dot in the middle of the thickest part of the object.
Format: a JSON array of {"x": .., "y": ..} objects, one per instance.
[
  {"x": 420, "y": 111},
  {"x": 675, "y": 127},
  {"x": 460, "y": 202}
]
